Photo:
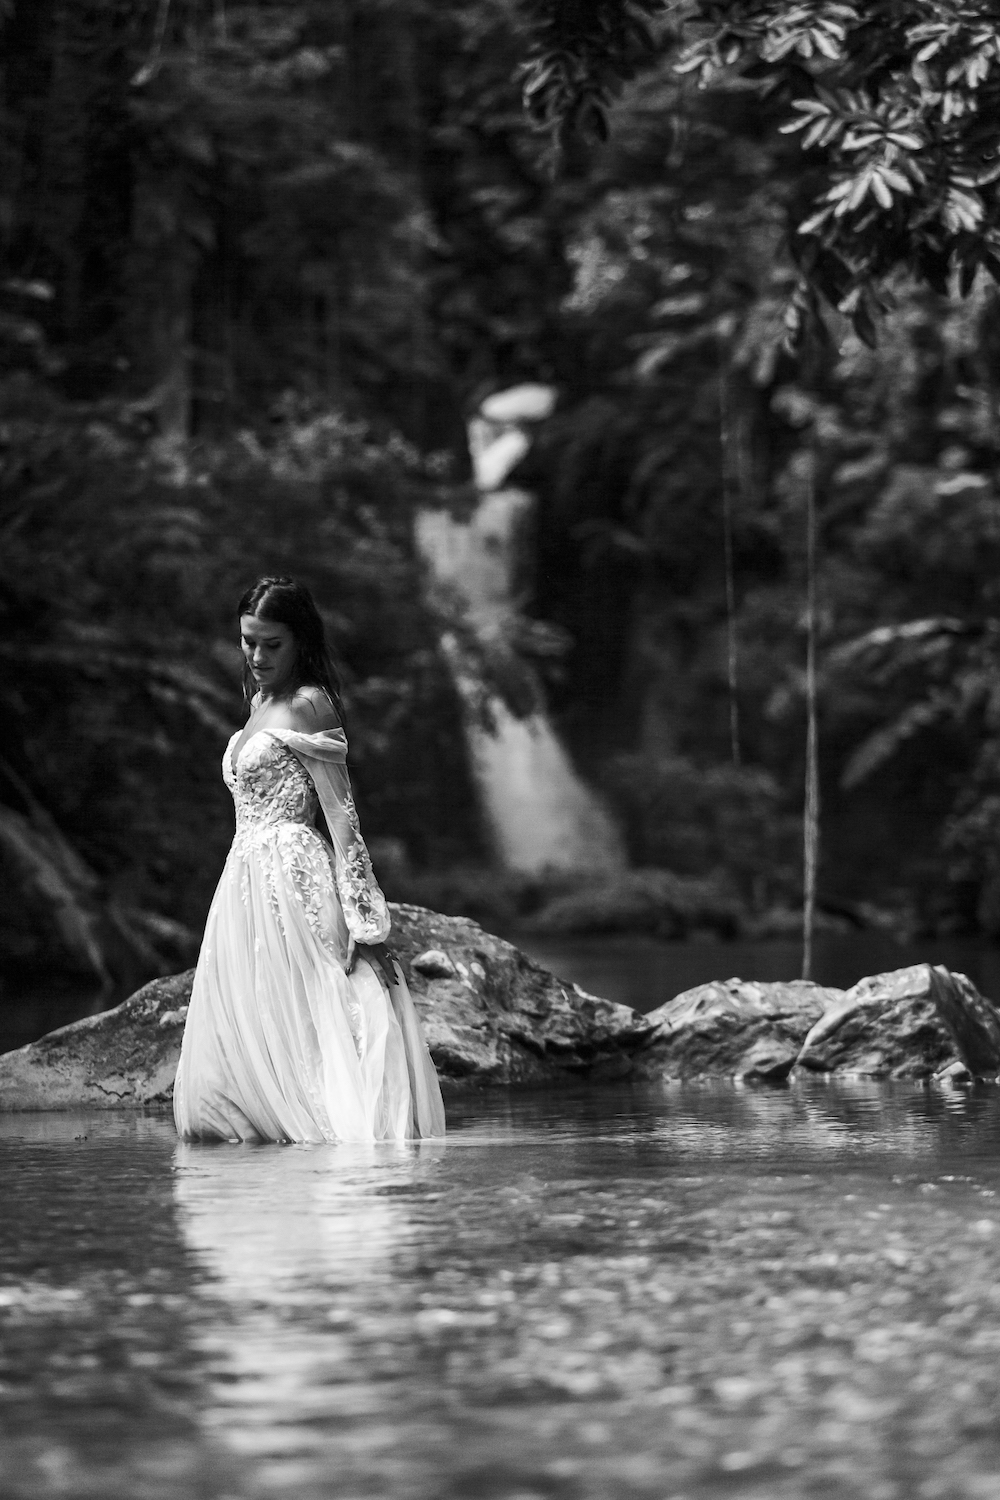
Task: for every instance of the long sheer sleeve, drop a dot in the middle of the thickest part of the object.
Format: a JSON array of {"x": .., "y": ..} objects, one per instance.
[{"x": 324, "y": 756}]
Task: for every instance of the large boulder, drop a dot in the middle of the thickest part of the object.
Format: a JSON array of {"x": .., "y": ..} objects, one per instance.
[
  {"x": 493, "y": 1015},
  {"x": 120, "y": 1059},
  {"x": 735, "y": 1029},
  {"x": 911, "y": 1023},
  {"x": 490, "y": 1014},
  {"x": 916, "y": 1022}
]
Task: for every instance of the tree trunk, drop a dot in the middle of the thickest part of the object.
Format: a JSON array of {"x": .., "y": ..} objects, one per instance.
[{"x": 163, "y": 273}]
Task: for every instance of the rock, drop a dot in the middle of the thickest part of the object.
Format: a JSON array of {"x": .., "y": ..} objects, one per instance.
[
  {"x": 734, "y": 1029},
  {"x": 910, "y": 1023},
  {"x": 954, "y": 1072},
  {"x": 122, "y": 1058},
  {"x": 769, "y": 1061},
  {"x": 434, "y": 964},
  {"x": 971, "y": 1019},
  {"x": 490, "y": 1014}
]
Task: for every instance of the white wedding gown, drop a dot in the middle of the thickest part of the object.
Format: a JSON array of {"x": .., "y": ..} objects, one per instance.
[{"x": 280, "y": 1040}]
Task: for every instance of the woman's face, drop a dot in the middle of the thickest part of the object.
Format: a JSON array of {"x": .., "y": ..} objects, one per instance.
[{"x": 271, "y": 654}]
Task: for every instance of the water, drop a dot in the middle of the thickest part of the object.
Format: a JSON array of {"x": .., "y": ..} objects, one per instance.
[
  {"x": 540, "y": 813},
  {"x": 647, "y": 1294},
  {"x": 643, "y": 972}
]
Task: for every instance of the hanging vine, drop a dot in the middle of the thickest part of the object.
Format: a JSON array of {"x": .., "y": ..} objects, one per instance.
[
  {"x": 732, "y": 640},
  {"x": 811, "y": 812}
]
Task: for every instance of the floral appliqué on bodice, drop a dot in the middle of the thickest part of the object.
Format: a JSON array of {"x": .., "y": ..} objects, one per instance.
[{"x": 276, "y": 805}]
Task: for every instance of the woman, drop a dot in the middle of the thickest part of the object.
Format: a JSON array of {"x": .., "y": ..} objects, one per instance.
[{"x": 301, "y": 1027}]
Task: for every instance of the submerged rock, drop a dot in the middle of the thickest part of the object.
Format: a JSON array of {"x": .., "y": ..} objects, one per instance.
[{"x": 490, "y": 1014}]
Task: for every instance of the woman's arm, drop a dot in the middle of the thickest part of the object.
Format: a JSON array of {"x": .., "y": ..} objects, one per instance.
[{"x": 365, "y": 909}]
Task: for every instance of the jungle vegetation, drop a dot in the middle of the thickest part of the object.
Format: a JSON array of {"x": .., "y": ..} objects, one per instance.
[{"x": 259, "y": 263}]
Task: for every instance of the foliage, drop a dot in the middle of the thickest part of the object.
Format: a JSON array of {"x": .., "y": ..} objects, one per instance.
[
  {"x": 680, "y": 390},
  {"x": 579, "y": 55},
  {"x": 260, "y": 260},
  {"x": 697, "y": 820},
  {"x": 897, "y": 104},
  {"x": 215, "y": 305},
  {"x": 120, "y": 680},
  {"x": 657, "y": 901}
]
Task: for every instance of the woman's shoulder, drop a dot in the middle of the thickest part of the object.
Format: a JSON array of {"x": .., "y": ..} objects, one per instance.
[
  {"x": 308, "y": 710},
  {"x": 312, "y": 693}
]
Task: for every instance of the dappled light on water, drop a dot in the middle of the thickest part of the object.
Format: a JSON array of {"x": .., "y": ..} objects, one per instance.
[{"x": 662, "y": 1292}]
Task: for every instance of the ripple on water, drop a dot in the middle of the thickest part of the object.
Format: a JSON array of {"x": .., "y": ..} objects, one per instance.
[{"x": 679, "y": 1292}]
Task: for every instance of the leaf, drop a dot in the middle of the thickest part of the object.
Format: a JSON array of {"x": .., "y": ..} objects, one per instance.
[
  {"x": 963, "y": 210},
  {"x": 887, "y": 742},
  {"x": 815, "y": 133},
  {"x": 856, "y": 196},
  {"x": 825, "y": 44},
  {"x": 815, "y": 221},
  {"x": 896, "y": 179},
  {"x": 893, "y": 640},
  {"x": 880, "y": 189},
  {"x": 695, "y": 59}
]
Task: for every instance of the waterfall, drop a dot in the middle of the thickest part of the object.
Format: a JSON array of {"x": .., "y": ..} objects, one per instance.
[{"x": 541, "y": 815}]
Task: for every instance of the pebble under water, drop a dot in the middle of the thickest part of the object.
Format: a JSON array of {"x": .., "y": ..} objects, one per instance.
[{"x": 658, "y": 1293}]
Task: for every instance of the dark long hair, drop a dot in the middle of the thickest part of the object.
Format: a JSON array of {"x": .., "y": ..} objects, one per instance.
[{"x": 285, "y": 601}]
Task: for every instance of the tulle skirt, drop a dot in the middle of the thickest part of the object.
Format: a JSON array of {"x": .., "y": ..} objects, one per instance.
[{"x": 282, "y": 1044}]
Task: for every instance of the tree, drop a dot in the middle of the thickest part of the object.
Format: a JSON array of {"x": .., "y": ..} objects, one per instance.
[
  {"x": 685, "y": 274},
  {"x": 897, "y": 103}
]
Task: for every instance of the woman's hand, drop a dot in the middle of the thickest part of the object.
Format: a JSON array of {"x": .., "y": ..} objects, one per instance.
[{"x": 379, "y": 955}]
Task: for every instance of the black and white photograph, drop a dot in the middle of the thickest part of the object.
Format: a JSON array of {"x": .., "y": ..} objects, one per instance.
[{"x": 499, "y": 749}]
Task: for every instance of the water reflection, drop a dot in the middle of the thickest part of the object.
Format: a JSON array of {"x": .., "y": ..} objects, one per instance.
[
  {"x": 259, "y": 1221},
  {"x": 303, "y": 1244},
  {"x": 743, "y": 1122},
  {"x": 851, "y": 1119}
]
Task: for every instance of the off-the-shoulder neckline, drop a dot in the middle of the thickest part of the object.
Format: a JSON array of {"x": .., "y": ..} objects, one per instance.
[{"x": 278, "y": 734}]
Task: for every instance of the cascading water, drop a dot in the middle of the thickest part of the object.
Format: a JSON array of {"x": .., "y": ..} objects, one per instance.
[{"x": 542, "y": 816}]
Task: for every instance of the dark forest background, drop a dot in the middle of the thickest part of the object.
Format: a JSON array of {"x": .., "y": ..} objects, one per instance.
[{"x": 260, "y": 262}]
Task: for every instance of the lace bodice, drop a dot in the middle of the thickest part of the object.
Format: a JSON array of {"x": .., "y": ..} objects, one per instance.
[
  {"x": 269, "y": 785},
  {"x": 278, "y": 784}
]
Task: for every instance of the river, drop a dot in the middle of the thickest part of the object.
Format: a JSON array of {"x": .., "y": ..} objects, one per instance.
[{"x": 657, "y": 1293}]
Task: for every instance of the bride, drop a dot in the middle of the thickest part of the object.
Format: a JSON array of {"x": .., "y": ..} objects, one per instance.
[{"x": 301, "y": 1027}]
